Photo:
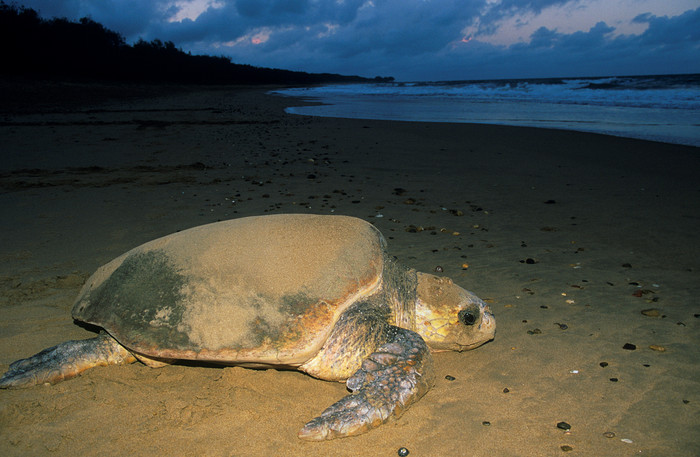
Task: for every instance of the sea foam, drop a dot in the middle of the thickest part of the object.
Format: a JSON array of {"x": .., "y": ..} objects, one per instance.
[{"x": 662, "y": 108}]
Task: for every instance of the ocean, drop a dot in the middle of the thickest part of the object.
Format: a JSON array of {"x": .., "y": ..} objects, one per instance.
[{"x": 659, "y": 108}]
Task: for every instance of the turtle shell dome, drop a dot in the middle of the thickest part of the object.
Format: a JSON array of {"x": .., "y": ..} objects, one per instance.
[{"x": 264, "y": 289}]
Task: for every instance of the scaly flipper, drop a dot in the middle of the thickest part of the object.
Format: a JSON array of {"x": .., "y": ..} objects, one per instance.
[
  {"x": 396, "y": 375},
  {"x": 65, "y": 361}
]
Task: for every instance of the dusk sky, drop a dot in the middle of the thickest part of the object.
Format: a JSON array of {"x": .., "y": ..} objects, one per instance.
[{"x": 416, "y": 39}]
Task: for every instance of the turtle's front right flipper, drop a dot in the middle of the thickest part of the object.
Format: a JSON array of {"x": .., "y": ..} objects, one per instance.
[
  {"x": 392, "y": 378},
  {"x": 65, "y": 361}
]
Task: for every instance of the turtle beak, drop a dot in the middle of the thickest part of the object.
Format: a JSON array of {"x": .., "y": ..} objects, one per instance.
[{"x": 488, "y": 322}]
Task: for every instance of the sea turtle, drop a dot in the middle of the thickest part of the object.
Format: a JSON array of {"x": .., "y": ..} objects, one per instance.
[{"x": 313, "y": 293}]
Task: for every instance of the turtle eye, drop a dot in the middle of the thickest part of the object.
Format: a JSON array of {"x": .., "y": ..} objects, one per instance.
[{"x": 467, "y": 317}]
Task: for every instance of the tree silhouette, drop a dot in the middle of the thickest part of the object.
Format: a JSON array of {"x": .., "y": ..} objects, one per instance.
[{"x": 85, "y": 50}]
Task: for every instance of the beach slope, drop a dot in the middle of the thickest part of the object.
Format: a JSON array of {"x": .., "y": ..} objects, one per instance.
[{"x": 585, "y": 246}]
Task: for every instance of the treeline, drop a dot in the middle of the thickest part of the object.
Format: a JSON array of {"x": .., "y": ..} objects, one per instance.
[{"x": 86, "y": 50}]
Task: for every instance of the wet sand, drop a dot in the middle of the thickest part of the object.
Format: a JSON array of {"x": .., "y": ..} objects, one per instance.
[{"x": 569, "y": 237}]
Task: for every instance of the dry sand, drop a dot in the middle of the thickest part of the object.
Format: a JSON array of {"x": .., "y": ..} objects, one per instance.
[{"x": 569, "y": 236}]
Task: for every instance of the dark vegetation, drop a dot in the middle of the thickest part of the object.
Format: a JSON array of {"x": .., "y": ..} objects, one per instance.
[{"x": 59, "y": 49}]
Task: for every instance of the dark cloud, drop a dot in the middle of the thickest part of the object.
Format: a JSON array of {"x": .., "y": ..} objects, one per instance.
[
  {"x": 669, "y": 45},
  {"x": 535, "y": 6},
  {"x": 410, "y": 39},
  {"x": 667, "y": 31},
  {"x": 128, "y": 17},
  {"x": 235, "y": 19},
  {"x": 422, "y": 27},
  {"x": 264, "y": 8},
  {"x": 494, "y": 13}
]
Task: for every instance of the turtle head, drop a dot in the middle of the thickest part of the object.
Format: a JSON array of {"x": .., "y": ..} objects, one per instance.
[{"x": 449, "y": 317}]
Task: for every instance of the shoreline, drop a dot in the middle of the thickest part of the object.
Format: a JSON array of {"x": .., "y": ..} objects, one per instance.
[
  {"x": 556, "y": 227},
  {"x": 575, "y": 104},
  {"x": 666, "y": 139}
]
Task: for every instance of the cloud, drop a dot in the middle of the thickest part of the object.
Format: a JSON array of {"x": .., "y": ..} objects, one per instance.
[
  {"x": 669, "y": 45},
  {"x": 263, "y": 8},
  {"x": 493, "y": 13},
  {"x": 667, "y": 31},
  {"x": 544, "y": 38},
  {"x": 409, "y": 39},
  {"x": 595, "y": 38}
]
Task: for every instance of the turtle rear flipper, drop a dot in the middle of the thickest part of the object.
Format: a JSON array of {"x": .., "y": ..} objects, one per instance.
[
  {"x": 396, "y": 375},
  {"x": 65, "y": 361}
]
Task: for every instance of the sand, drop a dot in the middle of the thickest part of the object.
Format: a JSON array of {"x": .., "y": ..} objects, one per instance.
[{"x": 568, "y": 236}]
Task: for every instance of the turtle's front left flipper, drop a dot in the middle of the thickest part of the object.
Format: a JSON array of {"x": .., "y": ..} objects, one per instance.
[
  {"x": 396, "y": 375},
  {"x": 65, "y": 361}
]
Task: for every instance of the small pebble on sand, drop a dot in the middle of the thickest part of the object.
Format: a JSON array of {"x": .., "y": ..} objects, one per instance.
[{"x": 651, "y": 312}]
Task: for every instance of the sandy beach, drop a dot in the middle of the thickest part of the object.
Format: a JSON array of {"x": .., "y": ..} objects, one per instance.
[{"x": 585, "y": 246}]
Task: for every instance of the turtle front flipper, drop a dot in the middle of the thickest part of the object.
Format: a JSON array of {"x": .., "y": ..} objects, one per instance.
[
  {"x": 65, "y": 361},
  {"x": 396, "y": 375}
]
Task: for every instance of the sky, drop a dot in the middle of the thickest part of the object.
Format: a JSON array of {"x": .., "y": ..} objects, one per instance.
[{"x": 416, "y": 40}]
